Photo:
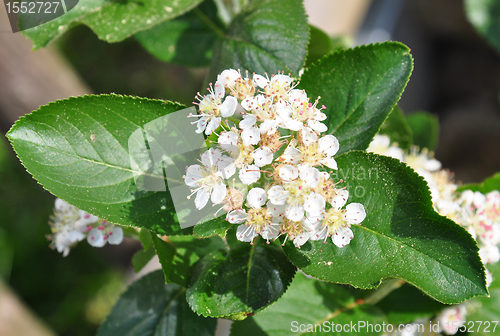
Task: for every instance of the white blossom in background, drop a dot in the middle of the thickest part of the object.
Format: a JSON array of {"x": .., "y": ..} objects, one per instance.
[
  {"x": 274, "y": 147},
  {"x": 70, "y": 225},
  {"x": 475, "y": 211}
]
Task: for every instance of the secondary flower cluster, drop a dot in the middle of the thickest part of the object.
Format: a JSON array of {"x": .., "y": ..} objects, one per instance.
[
  {"x": 477, "y": 212},
  {"x": 70, "y": 225},
  {"x": 272, "y": 149}
]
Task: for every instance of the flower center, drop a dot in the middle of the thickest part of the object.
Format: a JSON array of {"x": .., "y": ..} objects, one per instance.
[
  {"x": 297, "y": 192},
  {"x": 259, "y": 218},
  {"x": 334, "y": 219},
  {"x": 311, "y": 155},
  {"x": 302, "y": 111},
  {"x": 244, "y": 155},
  {"x": 293, "y": 229}
]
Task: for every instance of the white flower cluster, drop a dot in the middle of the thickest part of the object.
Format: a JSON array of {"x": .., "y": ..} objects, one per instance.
[
  {"x": 478, "y": 213},
  {"x": 70, "y": 225},
  {"x": 271, "y": 143}
]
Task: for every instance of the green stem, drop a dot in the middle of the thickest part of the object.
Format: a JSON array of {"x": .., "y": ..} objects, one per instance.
[
  {"x": 223, "y": 12},
  {"x": 208, "y": 22},
  {"x": 233, "y": 119},
  {"x": 383, "y": 290}
]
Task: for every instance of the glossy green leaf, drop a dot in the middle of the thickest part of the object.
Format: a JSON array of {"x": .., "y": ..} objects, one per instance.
[
  {"x": 149, "y": 307},
  {"x": 485, "y": 17},
  {"x": 188, "y": 250},
  {"x": 401, "y": 237},
  {"x": 425, "y": 129},
  {"x": 319, "y": 45},
  {"x": 112, "y": 21},
  {"x": 267, "y": 36},
  {"x": 484, "y": 309},
  {"x": 307, "y": 303},
  {"x": 78, "y": 149},
  {"x": 216, "y": 226},
  {"x": 186, "y": 40},
  {"x": 244, "y": 281},
  {"x": 490, "y": 184},
  {"x": 397, "y": 129},
  {"x": 166, "y": 252},
  {"x": 359, "y": 88}
]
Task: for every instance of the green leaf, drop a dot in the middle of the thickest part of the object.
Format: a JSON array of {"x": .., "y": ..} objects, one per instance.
[
  {"x": 397, "y": 129},
  {"x": 485, "y": 17},
  {"x": 142, "y": 257},
  {"x": 401, "y": 237},
  {"x": 149, "y": 307},
  {"x": 166, "y": 253},
  {"x": 112, "y": 21},
  {"x": 484, "y": 308},
  {"x": 243, "y": 282},
  {"x": 78, "y": 149},
  {"x": 267, "y": 36},
  {"x": 186, "y": 40},
  {"x": 320, "y": 44},
  {"x": 359, "y": 88},
  {"x": 216, "y": 226},
  {"x": 188, "y": 250},
  {"x": 425, "y": 129},
  {"x": 488, "y": 185},
  {"x": 309, "y": 302}
]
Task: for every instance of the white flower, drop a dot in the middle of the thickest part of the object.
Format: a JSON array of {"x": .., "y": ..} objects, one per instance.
[
  {"x": 212, "y": 107},
  {"x": 451, "y": 319},
  {"x": 277, "y": 88},
  {"x": 381, "y": 145},
  {"x": 258, "y": 220},
  {"x": 208, "y": 178},
  {"x": 336, "y": 222},
  {"x": 489, "y": 254},
  {"x": 298, "y": 111},
  {"x": 299, "y": 194}
]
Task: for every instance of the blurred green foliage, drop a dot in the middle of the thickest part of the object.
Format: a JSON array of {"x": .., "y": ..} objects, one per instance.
[{"x": 71, "y": 294}]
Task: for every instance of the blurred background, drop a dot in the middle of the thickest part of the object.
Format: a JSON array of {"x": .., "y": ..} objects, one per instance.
[{"x": 456, "y": 78}]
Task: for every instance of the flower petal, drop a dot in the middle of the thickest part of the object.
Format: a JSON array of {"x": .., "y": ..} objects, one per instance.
[
  {"x": 262, "y": 156},
  {"x": 355, "y": 213},
  {"x": 95, "y": 238},
  {"x": 245, "y": 234},
  {"x": 219, "y": 193},
  {"x": 249, "y": 174},
  {"x": 329, "y": 145},
  {"x": 342, "y": 237},
  {"x": 294, "y": 213},
  {"x": 228, "y": 107},
  {"x": 256, "y": 197},
  {"x": 288, "y": 173},
  {"x": 277, "y": 195},
  {"x": 201, "y": 200},
  {"x": 237, "y": 216},
  {"x": 340, "y": 199},
  {"x": 115, "y": 235}
]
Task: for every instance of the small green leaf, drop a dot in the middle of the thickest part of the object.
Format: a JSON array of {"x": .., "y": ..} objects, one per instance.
[
  {"x": 78, "y": 149},
  {"x": 397, "y": 129},
  {"x": 401, "y": 237},
  {"x": 267, "y": 36},
  {"x": 310, "y": 302},
  {"x": 216, "y": 226},
  {"x": 145, "y": 238},
  {"x": 188, "y": 250},
  {"x": 488, "y": 185},
  {"x": 186, "y": 40},
  {"x": 150, "y": 307},
  {"x": 359, "y": 88},
  {"x": 166, "y": 253},
  {"x": 142, "y": 257},
  {"x": 425, "y": 129},
  {"x": 243, "y": 282},
  {"x": 485, "y": 17},
  {"x": 112, "y": 21},
  {"x": 320, "y": 44}
]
